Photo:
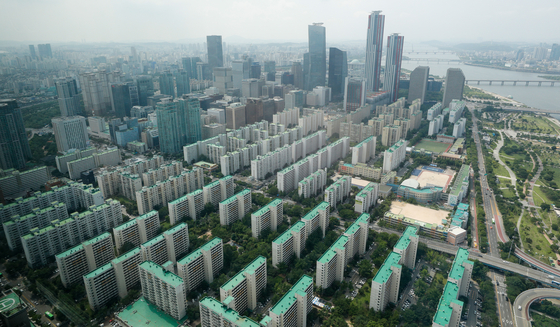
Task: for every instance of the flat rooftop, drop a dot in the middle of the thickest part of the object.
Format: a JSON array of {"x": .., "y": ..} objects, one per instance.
[
  {"x": 419, "y": 213},
  {"x": 444, "y": 310},
  {"x": 143, "y": 313},
  {"x": 10, "y": 304},
  {"x": 426, "y": 177},
  {"x": 385, "y": 270}
]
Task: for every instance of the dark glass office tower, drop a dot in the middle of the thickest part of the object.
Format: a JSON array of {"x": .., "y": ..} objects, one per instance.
[
  {"x": 297, "y": 71},
  {"x": 215, "y": 53},
  {"x": 166, "y": 85},
  {"x": 338, "y": 70},
  {"x": 374, "y": 49},
  {"x": 145, "y": 86},
  {"x": 316, "y": 69},
  {"x": 189, "y": 65},
  {"x": 125, "y": 96},
  {"x": 32, "y": 51},
  {"x": 182, "y": 78},
  {"x": 14, "y": 147},
  {"x": 393, "y": 63}
]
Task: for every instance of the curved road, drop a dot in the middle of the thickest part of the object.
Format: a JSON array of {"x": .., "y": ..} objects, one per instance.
[{"x": 524, "y": 300}]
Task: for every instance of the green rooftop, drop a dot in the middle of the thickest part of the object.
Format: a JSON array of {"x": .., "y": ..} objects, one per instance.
[
  {"x": 385, "y": 271},
  {"x": 99, "y": 271},
  {"x": 10, "y": 304},
  {"x": 444, "y": 310},
  {"x": 96, "y": 239},
  {"x": 175, "y": 229},
  {"x": 228, "y": 314},
  {"x": 458, "y": 267},
  {"x": 71, "y": 251},
  {"x": 240, "y": 276},
  {"x": 289, "y": 298},
  {"x": 340, "y": 243},
  {"x": 212, "y": 184},
  {"x": 126, "y": 256},
  {"x": 404, "y": 241},
  {"x": 143, "y": 313},
  {"x": 166, "y": 276},
  {"x": 154, "y": 240},
  {"x": 262, "y": 211},
  {"x": 364, "y": 218},
  {"x": 311, "y": 214},
  {"x": 126, "y": 225},
  {"x": 198, "y": 252}
]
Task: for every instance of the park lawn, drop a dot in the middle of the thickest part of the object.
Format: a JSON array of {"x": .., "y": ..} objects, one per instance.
[
  {"x": 501, "y": 171},
  {"x": 539, "y": 247},
  {"x": 539, "y": 197},
  {"x": 433, "y": 146},
  {"x": 504, "y": 182},
  {"x": 549, "y": 217},
  {"x": 534, "y": 124},
  {"x": 507, "y": 193},
  {"x": 540, "y": 320},
  {"x": 556, "y": 178}
]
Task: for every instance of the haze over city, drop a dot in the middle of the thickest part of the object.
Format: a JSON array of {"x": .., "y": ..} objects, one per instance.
[{"x": 275, "y": 21}]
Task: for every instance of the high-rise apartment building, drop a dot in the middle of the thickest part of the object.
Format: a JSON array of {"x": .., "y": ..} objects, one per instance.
[
  {"x": 316, "y": 69},
  {"x": 292, "y": 309},
  {"x": 268, "y": 217},
  {"x": 214, "y": 313},
  {"x": 393, "y": 63},
  {"x": 215, "y": 53},
  {"x": 418, "y": 83},
  {"x": 246, "y": 286},
  {"x": 366, "y": 198},
  {"x": 454, "y": 85},
  {"x": 68, "y": 97},
  {"x": 137, "y": 231},
  {"x": 289, "y": 243},
  {"x": 218, "y": 191},
  {"x": 100, "y": 286},
  {"x": 364, "y": 151},
  {"x": 393, "y": 156},
  {"x": 181, "y": 119},
  {"x": 337, "y": 192},
  {"x": 338, "y": 71},
  {"x": 391, "y": 134},
  {"x": 235, "y": 207},
  {"x": 45, "y": 51},
  {"x": 204, "y": 263},
  {"x": 317, "y": 218},
  {"x": 70, "y": 133},
  {"x": 14, "y": 147},
  {"x": 374, "y": 49},
  {"x": 164, "y": 289},
  {"x": 96, "y": 90}
]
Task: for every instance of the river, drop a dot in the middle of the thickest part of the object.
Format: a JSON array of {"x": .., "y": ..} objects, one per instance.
[{"x": 542, "y": 97}]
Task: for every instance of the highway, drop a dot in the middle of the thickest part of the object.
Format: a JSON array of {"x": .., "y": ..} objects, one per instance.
[{"x": 524, "y": 300}]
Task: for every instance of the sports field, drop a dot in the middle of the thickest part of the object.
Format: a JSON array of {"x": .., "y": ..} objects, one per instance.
[{"x": 432, "y": 146}]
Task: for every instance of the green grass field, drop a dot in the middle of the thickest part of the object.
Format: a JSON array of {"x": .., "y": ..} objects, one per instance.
[
  {"x": 534, "y": 240},
  {"x": 507, "y": 193},
  {"x": 543, "y": 321},
  {"x": 500, "y": 170},
  {"x": 433, "y": 146},
  {"x": 534, "y": 124},
  {"x": 556, "y": 178},
  {"x": 539, "y": 197},
  {"x": 504, "y": 182}
]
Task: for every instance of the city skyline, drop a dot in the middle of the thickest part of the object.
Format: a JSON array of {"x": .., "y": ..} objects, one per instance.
[{"x": 345, "y": 20}]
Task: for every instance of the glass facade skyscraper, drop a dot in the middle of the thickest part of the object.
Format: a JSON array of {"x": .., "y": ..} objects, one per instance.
[
  {"x": 189, "y": 65},
  {"x": 68, "y": 97},
  {"x": 315, "y": 69},
  {"x": 166, "y": 85},
  {"x": 215, "y": 53},
  {"x": 374, "y": 49},
  {"x": 183, "y": 80},
  {"x": 178, "y": 123},
  {"x": 393, "y": 62},
  {"x": 338, "y": 70},
  {"x": 145, "y": 86},
  {"x": 14, "y": 147},
  {"x": 125, "y": 96}
]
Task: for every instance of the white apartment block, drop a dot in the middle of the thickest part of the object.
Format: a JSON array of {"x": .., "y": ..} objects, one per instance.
[
  {"x": 393, "y": 156},
  {"x": 190, "y": 205},
  {"x": 100, "y": 286},
  {"x": 235, "y": 207},
  {"x": 436, "y": 125},
  {"x": 391, "y": 134},
  {"x": 177, "y": 241},
  {"x": 456, "y": 108},
  {"x": 270, "y": 216},
  {"x": 99, "y": 250},
  {"x": 163, "y": 192},
  {"x": 218, "y": 191},
  {"x": 287, "y": 117},
  {"x": 137, "y": 166},
  {"x": 246, "y": 286},
  {"x": 364, "y": 151},
  {"x": 292, "y": 309},
  {"x": 109, "y": 158},
  {"x": 70, "y": 133},
  {"x": 230, "y": 163},
  {"x": 289, "y": 243},
  {"x": 337, "y": 192},
  {"x": 193, "y": 151},
  {"x": 317, "y": 218},
  {"x": 137, "y": 230},
  {"x": 331, "y": 265},
  {"x": 61, "y": 161},
  {"x": 155, "y": 250},
  {"x": 215, "y": 152},
  {"x": 312, "y": 121},
  {"x": 366, "y": 198},
  {"x": 162, "y": 173},
  {"x": 434, "y": 111},
  {"x": 313, "y": 184},
  {"x": 214, "y": 313},
  {"x": 357, "y": 235},
  {"x": 204, "y": 263},
  {"x": 126, "y": 270},
  {"x": 164, "y": 289}
]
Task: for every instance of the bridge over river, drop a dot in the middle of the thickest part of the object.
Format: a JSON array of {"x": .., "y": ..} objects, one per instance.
[{"x": 510, "y": 82}]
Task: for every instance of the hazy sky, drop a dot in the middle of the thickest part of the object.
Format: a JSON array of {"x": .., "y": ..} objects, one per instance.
[{"x": 276, "y": 20}]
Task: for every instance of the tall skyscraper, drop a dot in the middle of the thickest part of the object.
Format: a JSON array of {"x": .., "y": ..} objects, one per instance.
[
  {"x": 125, "y": 96},
  {"x": 96, "y": 90},
  {"x": 418, "y": 83},
  {"x": 183, "y": 81},
  {"x": 145, "y": 86},
  {"x": 338, "y": 70},
  {"x": 270, "y": 70},
  {"x": 189, "y": 65},
  {"x": 297, "y": 72},
  {"x": 555, "y": 52},
  {"x": 166, "y": 85},
  {"x": 180, "y": 123},
  {"x": 70, "y": 133},
  {"x": 316, "y": 70},
  {"x": 454, "y": 84},
  {"x": 354, "y": 94},
  {"x": 68, "y": 97},
  {"x": 241, "y": 70},
  {"x": 14, "y": 147},
  {"x": 393, "y": 62},
  {"x": 32, "y": 51},
  {"x": 45, "y": 50},
  {"x": 374, "y": 49},
  {"x": 215, "y": 53}
]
